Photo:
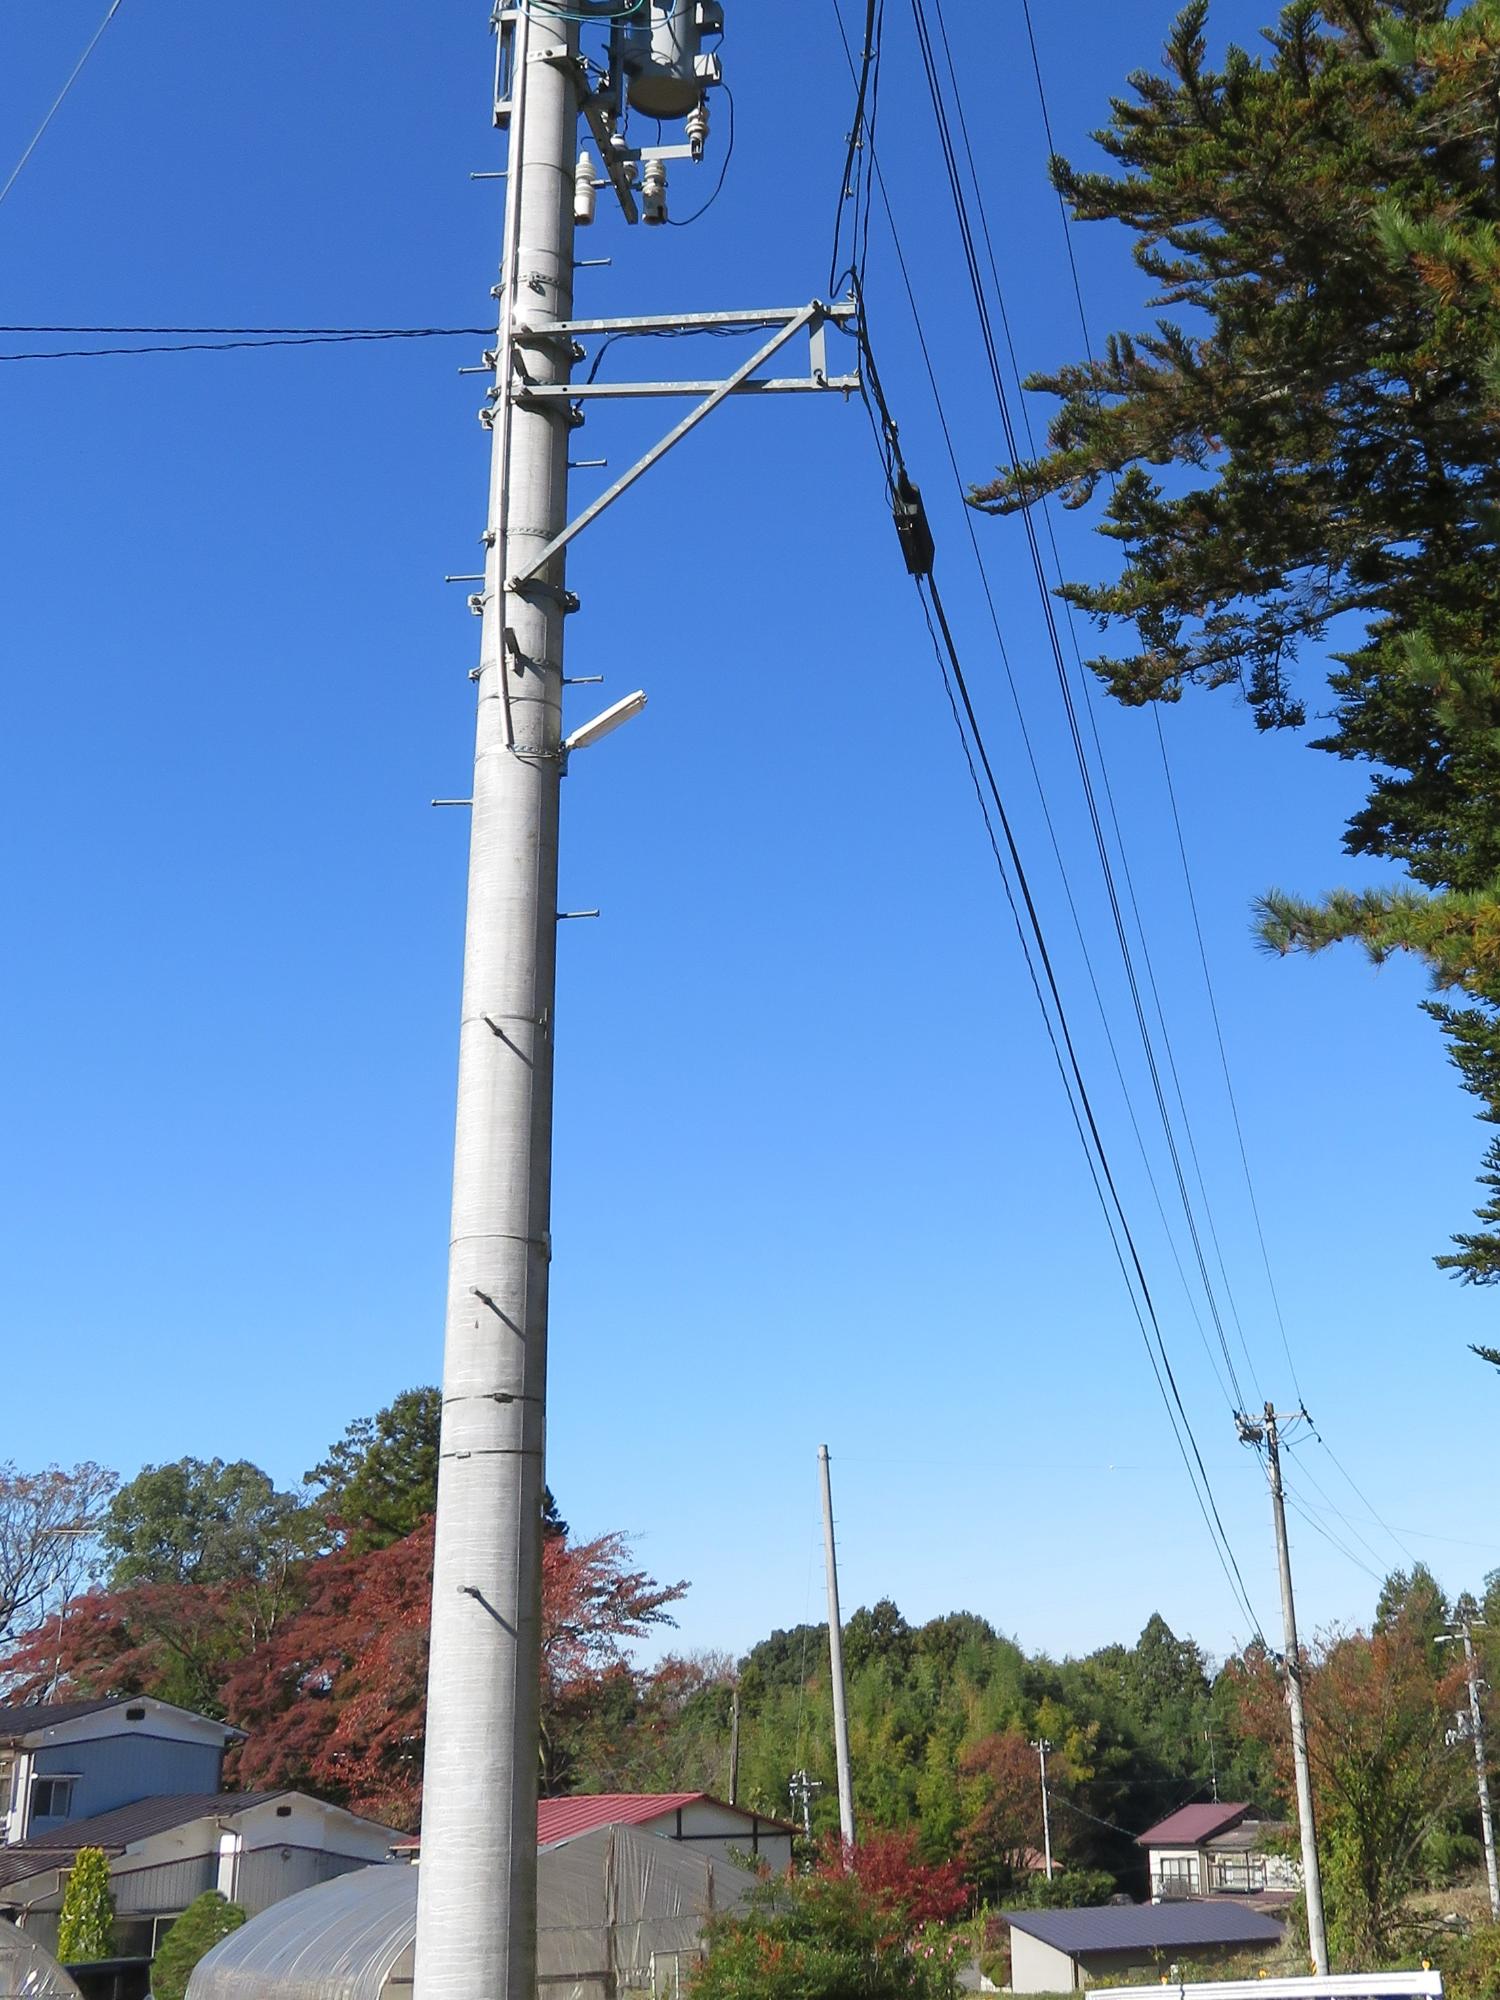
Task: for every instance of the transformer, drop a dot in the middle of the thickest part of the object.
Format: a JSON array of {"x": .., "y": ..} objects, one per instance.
[{"x": 665, "y": 70}]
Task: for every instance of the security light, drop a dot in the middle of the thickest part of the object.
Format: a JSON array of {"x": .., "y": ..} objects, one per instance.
[{"x": 602, "y": 724}]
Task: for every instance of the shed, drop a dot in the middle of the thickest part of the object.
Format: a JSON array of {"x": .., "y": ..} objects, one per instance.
[
  {"x": 616, "y": 1907},
  {"x": 1057, "y": 1951}
]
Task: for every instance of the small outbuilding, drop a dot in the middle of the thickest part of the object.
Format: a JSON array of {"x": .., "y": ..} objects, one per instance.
[
  {"x": 1058, "y": 1951},
  {"x": 617, "y": 1908}
]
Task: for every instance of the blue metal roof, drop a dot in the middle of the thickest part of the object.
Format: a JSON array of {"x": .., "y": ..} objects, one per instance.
[{"x": 1146, "y": 1927}]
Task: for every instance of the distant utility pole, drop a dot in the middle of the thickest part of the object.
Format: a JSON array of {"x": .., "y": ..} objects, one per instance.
[
  {"x": 1465, "y": 1632},
  {"x": 1041, "y": 1747},
  {"x": 836, "y": 1660},
  {"x": 1268, "y": 1434},
  {"x": 734, "y": 1748},
  {"x": 802, "y": 1787},
  {"x": 1213, "y": 1762},
  {"x": 476, "y": 1897}
]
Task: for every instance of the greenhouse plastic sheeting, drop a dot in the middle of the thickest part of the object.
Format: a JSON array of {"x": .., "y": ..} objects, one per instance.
[
  {"x": 27, "y": 1969},
  {"x": 609, "y": 1903}
]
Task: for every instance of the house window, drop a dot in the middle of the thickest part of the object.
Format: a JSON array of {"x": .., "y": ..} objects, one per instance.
[
  {"x": 1239, "y": 1874},
  {"x": 1177, "y": 1868},
  {"x": 52, "y": 1798}
]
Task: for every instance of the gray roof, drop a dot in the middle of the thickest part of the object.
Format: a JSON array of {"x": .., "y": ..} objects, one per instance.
[
  {"x": 115, "y": 1831},
  {"x": 22, "y": 1718},
  {"x": 1146, "y": 1927}
]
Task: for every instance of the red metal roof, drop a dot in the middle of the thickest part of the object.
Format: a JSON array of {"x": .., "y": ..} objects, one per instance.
[
  {"x": 1190, "y": 1826},
  {"x": 560, "y": 1819}
]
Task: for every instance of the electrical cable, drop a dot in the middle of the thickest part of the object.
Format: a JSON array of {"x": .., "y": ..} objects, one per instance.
[
  {"x": 971, "y": 258},
  {"x": 869, "y": 58},
  {"x": 58, "y": 101},
  {"x": 872, "y": 154},
  {"x": 886, "y": 437},
  {"x": 338, "y": 337},
  {"x": 698, "y": 213},
  {"x": 1083, "y": 321}
]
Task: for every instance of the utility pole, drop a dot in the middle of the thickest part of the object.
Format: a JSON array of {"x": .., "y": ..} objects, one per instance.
[
  {"x": 802, "y": 1787},
  {"x": 476, "y": 1899},
  {"x": 1465, "y": 1632},
  {"x": 1268, "y": 1434},
  {"x": 1041, "y": 1747},
  {"x": 836, "y": 1661},
  {"x": 734, "y": 1748}
]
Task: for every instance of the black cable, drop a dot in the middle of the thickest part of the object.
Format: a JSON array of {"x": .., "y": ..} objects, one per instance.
[
  {"x": 688, "y": 220},
  {"x": 869, "y": 57},
  {"x": 982, "y": 567},
  {"x": 971, "y": 258},
  {"x": 333, "y": 338}
]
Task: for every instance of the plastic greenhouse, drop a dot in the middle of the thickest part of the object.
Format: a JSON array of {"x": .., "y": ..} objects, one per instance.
[
  {"x": 618, "y": 1910},
  {"x": 27, "y": 1969}
]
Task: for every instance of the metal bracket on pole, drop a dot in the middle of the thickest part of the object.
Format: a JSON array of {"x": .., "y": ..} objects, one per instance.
[{"x": 787, "y": 323}]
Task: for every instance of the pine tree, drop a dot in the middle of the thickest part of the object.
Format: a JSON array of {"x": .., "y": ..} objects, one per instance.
[
  {"x": 1329, "y": 215},
  {"x": 86, "y": 1926}
]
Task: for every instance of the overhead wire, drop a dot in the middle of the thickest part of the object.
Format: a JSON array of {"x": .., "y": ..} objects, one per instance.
[
  {"x": 244, "y": 339},
  {"x": 1187, "y": 876},
  {"x": 871, "y": 153},
  {"x": 996, "y": 374},
  {"x": 1035, "y": 949},
  {"x": 60, "y": 99}
]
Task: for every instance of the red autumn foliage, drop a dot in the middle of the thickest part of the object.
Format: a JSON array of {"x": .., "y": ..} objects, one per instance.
[
  {"x": 334, "y": 1695},
  {"x": 888, "y": 1867},
  {"x": 1006, "y": 1820}
]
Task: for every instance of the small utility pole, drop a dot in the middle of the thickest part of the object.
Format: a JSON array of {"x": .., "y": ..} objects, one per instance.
[
  {"x": 734, "y": 1748},
  {"x": 836, "y": 1661},
  {"x": 1267, "y": 1433},
  {"x": 802, "y": 1787},
  {"x": 1465, "y": 1632},
  {"x": 1041, "y": 1747}
]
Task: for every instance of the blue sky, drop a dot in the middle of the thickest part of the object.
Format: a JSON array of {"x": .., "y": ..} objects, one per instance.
[{"x": 815, "y": 1178}]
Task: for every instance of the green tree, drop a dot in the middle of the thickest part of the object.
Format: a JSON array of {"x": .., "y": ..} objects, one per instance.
[
  {"x": 203, "y": 1924},
  {"x": 204, "y": 1522},
  {"x": 379, "y": 1481},
  {"x": 1321, "y": 222},
  {"x": 86, "y": 1926}
]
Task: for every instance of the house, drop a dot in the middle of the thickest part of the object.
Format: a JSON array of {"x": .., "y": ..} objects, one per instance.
[
  {"x": 68, "y": 1760},
  {"x": 141, "y": 1779},
  {"x": 728, "y": 1833},
  {"x": 1217, "y": 1850},
  {"x": 1058, "y": 1951}
]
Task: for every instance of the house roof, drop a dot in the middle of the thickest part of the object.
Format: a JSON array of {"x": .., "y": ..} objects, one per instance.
[
  {"x": 562, "y": 1819},
  {"x": 1190, "y": 1826},
  {"x": 21, "y": 1719},
  {"x": 117, "y": 1830},
  {"x": 1247, "y": 1836},
  {"x": 1146, "y": 1927}
]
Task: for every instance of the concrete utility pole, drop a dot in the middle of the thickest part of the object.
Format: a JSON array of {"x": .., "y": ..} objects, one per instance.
[
  {"x": 836, "y": 1660},
  {"x": 1041, "y": 1747},
  {"x": 1267, "y": 1433},
  {"x": 476, "y": 1904},
  {"x": 1465, "y": 1632},
  {"x": 476, "y": 1900}
]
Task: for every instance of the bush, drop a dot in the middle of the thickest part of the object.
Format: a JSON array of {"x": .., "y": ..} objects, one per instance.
[
  {"x": 820, "y": 1937},
  {"x": 86, "y": 1926},
  {"x": 1071, "y": 1889},
  {"x": 200, "y": 1927}
]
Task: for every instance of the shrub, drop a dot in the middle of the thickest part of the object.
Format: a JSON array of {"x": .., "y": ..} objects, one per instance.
[
  {"x": 820, "y": 1937},
  {"x": 1072, "y": 1889},
  {"x": 86, "y": 1926},
  {"x": 200, "y": 1927}
]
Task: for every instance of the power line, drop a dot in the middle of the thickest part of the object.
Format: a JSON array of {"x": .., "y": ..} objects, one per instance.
[
  {"x": 971, "y": 258},
  {"x": 245, "y": 338},
  {"x": 899, "y": 487},
  {"x": 57, "y": 102}
]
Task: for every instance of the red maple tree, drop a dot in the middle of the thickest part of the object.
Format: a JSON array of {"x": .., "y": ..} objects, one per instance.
[{"x": 892, "y": 1873}]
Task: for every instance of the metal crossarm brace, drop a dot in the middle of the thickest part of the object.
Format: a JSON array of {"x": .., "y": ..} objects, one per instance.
[{"x": 812, "y": 316}]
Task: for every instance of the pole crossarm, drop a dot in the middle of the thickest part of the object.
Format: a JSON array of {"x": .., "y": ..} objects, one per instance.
[{"x": 787, "y": 323}]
